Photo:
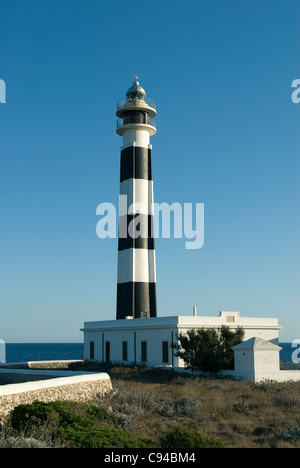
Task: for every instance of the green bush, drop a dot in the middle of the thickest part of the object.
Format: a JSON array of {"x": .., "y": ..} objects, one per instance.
[
  {"x": 209, "y": 350},
  {"x": 77, "y": 425},
  {"x": 183, "y": 437}
]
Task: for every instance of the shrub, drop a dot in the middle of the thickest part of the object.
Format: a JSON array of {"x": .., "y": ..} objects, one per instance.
[
  {"x": 78, "y": 425},
  {"x": 183, "y": 437},
  {"x": 59, "y": 412},
  {"x": 209, "y": 350}
]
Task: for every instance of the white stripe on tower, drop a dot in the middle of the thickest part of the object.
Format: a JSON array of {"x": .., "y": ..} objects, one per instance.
[
  {"x": 132, "y": 263},
  {"x": 136, "y": 292},
  {"x": 139, "y": 193}
]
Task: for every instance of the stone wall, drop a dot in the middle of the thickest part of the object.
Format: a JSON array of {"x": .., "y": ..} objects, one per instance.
[
  {"x": 31, "y": 372},
  {"x": 40, "y": 364},
  {"x": 14, "y": 378},
  {"x": 81, "y": 388}
]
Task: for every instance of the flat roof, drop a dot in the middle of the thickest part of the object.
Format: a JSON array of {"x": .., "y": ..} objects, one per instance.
[{"x": 181, "y": 321}]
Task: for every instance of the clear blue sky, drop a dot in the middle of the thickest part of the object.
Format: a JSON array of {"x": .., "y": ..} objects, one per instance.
[{"x": 228, "y": 136}]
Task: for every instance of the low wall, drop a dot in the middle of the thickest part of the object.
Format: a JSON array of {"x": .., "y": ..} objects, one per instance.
[
  {"x": 39, "y": 364},
  {"x": 280, "y": 376},
  {"x": 16, "y": 376},
  {"x": 59, "y": 385},
  {"x": 290, "y": 366}
]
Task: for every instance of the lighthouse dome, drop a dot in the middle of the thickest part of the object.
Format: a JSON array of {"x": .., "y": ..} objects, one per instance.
[
  {"x": 136, "y": 101},
  {"x": 136, "y": 92}
]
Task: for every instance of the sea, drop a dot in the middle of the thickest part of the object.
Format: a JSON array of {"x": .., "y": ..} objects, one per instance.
[{"x": 23, "y": 352}]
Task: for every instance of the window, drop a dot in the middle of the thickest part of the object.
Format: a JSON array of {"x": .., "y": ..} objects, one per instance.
[
  {"x": 230, "y": 319},
  {"x": 92, "y": 350},
  {"x": 124, "y": 351},
  {"x": 144, "y": 351},
  {"x": 107, "y": 351},
  {"x": 165, "y": 352}
]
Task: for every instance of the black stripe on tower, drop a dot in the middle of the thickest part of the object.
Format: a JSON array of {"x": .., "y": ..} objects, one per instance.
[
  {"x": 136, "y": 299},
  {"x": 136, "y": 163},
  {"x": 143, "y": 229}
]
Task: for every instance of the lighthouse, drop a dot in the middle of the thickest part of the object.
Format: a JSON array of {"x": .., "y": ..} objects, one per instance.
[
  {"x": 136, "y": 287},
  {"x": 151, "y": 341}
]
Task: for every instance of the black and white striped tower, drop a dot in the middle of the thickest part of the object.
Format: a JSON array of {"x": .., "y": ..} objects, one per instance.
[{"x": 136, "y": 291}]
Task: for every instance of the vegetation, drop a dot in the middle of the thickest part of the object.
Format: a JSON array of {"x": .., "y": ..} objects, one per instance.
[
  {"x": 166, "y": 408},
  {"x": 74, "y": 424},
  {"x": 183, "y": 437},
  {"x": 78, "y": 425},
  {"x": 209, "y": 350}
]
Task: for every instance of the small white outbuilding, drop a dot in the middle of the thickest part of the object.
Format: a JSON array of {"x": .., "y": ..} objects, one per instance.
[{"x": 256, "y": 359}]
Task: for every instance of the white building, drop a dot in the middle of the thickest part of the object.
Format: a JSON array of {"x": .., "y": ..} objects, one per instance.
[{"x": 151, "y": 341}]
